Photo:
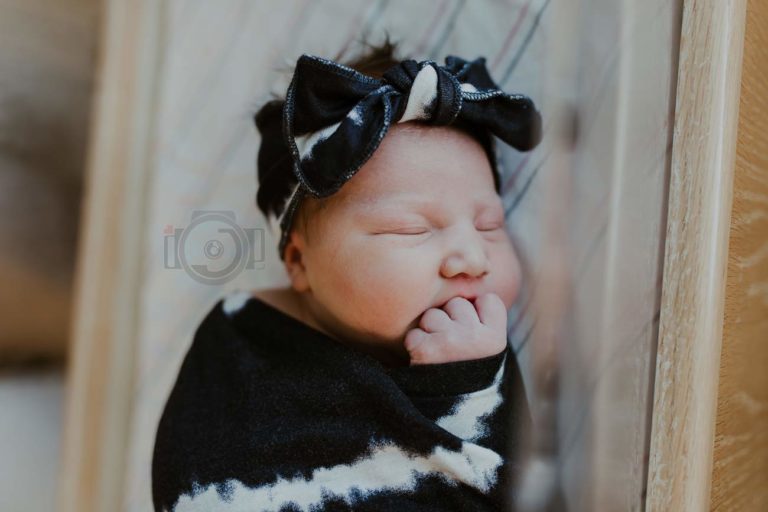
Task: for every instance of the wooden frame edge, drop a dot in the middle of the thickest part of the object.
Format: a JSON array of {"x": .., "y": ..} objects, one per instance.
[
  {"x": 695, "y": 260},
  {"x": 99, "y": 384}
]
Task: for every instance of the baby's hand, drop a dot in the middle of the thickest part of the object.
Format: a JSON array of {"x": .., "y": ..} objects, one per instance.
[{"x": 459, "y": 331}]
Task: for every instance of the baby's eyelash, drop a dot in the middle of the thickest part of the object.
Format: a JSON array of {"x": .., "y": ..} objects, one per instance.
[
  {"x": 492, "y": 227},
  {"x": 488, "y": 226},
  {"x": 421, "y": 232}
]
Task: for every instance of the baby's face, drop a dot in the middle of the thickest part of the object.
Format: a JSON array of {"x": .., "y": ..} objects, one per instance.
[{"x": 419, "y": 224}]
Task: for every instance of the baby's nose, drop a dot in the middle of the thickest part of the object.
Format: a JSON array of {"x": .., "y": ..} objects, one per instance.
[
  {"x": 456, "y": 265},
  {"x": 466, "y": 255}
]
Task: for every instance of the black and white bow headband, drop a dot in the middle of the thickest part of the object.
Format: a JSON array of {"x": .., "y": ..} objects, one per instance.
[{"x": 335, "y": 117}]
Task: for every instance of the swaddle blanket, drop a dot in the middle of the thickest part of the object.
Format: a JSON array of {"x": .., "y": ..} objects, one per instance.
[{"x": 269, "y": 414}]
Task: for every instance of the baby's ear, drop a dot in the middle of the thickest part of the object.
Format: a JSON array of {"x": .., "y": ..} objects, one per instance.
[{"x": 294, "y": 262}]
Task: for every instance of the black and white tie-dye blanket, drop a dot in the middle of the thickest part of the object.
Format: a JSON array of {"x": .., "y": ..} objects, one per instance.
[{"x": 268, "y": 413}]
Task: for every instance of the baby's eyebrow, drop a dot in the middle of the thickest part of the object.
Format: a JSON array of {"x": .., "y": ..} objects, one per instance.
[
  {"x": 420, "y": 201},
  {"x": 397, "y": 203}
]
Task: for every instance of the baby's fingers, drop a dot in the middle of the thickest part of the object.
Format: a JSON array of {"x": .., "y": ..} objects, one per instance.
[
  {"x": 434, "y": 320},
  {"x": 414, "y": 339},
  {"x": 492, "y": 311},
  {"x": 420, "y": 349},
  {"x": 460, "y": 309}
]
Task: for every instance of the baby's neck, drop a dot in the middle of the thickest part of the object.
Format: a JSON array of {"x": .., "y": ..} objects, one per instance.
[
  {"x": 289, "y": 302},
  {"x": 298, "y": 306}
]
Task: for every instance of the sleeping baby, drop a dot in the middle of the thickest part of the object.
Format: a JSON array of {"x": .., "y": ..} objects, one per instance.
[{"x": 381, "y": 377}]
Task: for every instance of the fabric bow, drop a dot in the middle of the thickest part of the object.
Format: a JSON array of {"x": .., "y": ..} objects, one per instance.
[{"x": 334, "y": 117}]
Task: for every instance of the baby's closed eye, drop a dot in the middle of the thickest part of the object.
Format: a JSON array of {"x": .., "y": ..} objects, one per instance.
[
  {"x": 415, "y": 231},
  {"x": 423, "y": 230},
  {"x": 491, "y": 226},
  {"x": 402, "y": 227}
]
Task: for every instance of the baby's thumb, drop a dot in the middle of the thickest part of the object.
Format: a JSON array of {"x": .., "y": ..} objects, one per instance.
[{"x": 491, "y": 311}]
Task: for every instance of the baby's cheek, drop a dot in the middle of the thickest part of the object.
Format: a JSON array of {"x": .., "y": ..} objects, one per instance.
[
  {"x": 392, "y": 299},
  {"x": 508, "y": 276},
  {"x": 391, "y": 295}
]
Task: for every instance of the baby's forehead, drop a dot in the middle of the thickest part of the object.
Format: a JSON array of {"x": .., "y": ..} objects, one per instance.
[
  {"x": 415, "y": 200},
  {"x": 415, "y": 131},
  {"x": 416, "y": 164}
]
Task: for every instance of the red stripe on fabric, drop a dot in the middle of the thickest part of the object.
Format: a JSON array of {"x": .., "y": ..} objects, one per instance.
[
  {"x": 514, "y": 175},
  {"x": 439, "y": 15},
  {"x": 355, "y": 28},
  {"x": 508, "y": 41}
]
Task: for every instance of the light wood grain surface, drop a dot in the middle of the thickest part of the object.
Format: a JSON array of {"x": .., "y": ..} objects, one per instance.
[
  {"x": 740, "y": 471},
  {"x": 693, "y": 290}
]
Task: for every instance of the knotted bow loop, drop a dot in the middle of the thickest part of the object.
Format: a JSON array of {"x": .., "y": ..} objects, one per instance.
[
  {"x": 401, "y": 75},
  {"x": 322, "y": 92},
  {"x": 432, "y": 93},
  {"x": 473, "y": 72},
  {"x": 333, "y": 119}
]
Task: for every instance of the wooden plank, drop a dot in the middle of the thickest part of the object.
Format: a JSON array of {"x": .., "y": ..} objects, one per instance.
[
  {"x": 741, "y": 433},
  {"x": 109, "y": 275},
  {"x": 693, "y": 289}
]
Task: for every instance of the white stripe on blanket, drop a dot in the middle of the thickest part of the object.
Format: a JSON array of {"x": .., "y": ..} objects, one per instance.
[
  {"x": 466, "y": 418},
  {"x": 386, "y": 467}
]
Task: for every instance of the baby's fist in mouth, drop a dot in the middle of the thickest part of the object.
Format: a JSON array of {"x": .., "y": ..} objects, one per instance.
[{"x": 459, "y": 331}]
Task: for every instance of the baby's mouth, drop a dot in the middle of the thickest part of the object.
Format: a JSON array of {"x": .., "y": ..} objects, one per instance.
[{"x": 470, "y": 297}]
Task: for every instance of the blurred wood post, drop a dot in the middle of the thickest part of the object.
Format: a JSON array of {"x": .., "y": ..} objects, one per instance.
[{"x": 109, "y": 273}]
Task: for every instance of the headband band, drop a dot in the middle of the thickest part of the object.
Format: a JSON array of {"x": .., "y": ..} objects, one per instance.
[{"x": 335, "y": 117}]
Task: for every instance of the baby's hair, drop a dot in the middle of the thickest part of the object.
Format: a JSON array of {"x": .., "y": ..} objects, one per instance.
[{"x": 275, "y": 173}]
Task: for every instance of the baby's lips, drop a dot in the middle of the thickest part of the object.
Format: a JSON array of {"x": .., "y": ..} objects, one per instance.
[{"x": 470, "y": 297}]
